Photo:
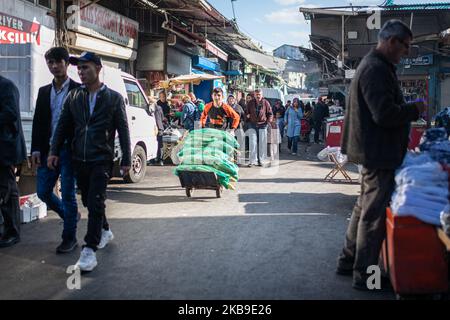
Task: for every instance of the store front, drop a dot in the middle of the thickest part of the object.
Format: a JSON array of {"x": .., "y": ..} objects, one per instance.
[
  {"x": 417, "y": 79},
  {"x": 26, "y": 33},
  {"x": 112, "y": 36}
]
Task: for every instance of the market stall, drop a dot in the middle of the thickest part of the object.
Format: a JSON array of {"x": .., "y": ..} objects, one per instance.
[{"x": 415, "y": 254}]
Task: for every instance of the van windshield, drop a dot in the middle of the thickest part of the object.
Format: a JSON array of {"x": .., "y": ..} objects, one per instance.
[{"x": 135, "y": 96}]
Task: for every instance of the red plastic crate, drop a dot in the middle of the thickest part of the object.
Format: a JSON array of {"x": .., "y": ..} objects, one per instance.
[
  {"x": 416, "y": 257},
  {"x": 415, "y": 135}
]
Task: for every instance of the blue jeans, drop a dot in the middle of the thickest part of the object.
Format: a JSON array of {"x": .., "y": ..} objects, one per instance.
[
  {"x": 293, "y": 143},
  {"x": 280, "y": 123},
  {"x": 258, "y": 144},
  {"x": 66, "y": 207}
]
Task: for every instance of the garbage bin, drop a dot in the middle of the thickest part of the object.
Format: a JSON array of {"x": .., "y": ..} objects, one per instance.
[{"x": 333, "y": 131}]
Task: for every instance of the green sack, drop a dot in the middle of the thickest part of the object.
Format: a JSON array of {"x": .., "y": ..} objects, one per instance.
[
  {"x": 205, "y": 152},
  {"x": 223, "y": 165},
  {"x": 208, "y": 135}
]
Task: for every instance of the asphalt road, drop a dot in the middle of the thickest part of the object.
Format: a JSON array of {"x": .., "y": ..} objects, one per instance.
[{"x": 276, "y": 237}]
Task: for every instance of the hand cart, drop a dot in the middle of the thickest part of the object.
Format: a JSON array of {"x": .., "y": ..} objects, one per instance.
[{"x": 191, "y": 180}]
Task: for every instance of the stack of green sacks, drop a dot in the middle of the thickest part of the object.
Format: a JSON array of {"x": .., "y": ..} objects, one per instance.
[{"x": 210, "y": 150}]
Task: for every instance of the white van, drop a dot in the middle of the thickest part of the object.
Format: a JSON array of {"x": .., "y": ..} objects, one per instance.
[
  {"x": 141, "y": 122},
  {"x": 272, "y": 95}
]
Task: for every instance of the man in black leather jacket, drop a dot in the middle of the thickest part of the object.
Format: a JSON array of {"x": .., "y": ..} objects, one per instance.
[{"x": 90, "y": 117}]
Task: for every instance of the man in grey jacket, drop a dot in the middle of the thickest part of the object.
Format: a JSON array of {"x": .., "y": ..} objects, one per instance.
[
  {"x": 13, "y": 152},
  {"x": 375, "y": 136}
]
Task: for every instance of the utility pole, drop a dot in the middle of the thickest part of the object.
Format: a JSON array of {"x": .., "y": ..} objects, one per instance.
[{"x": 234, "y": 12}]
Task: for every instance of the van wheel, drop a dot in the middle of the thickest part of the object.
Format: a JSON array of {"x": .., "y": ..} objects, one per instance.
[{"x": 138, "y": 166}]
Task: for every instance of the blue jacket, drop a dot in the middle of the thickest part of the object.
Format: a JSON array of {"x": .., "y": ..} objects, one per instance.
[
  {"x": 294, "y": 121},
  {"x": 188, "y": 117}
]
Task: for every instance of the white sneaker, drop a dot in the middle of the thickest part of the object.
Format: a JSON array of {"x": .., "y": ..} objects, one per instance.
[
  {"x": 107, "y": 236},
  {"x": 87, "y": 261}
]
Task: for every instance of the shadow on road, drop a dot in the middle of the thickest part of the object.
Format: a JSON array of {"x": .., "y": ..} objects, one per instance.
[
  {"x": 142, "y": 198},
  {"x": 268, "y": 203},
  {"x": 237, "y": 257},
  {"x": 288, "y": 180}
]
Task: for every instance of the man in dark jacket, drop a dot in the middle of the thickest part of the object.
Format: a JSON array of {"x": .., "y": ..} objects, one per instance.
[
  {"x": 13, "y": 152},
  {"x": 376, "y": 136},
  {"x": 320, "y": 112},
  {"x": 90, "y": 117},
  {"x": 159, "y": 119},
  {"x": 259, "y": 115},
  {"x": 164, "y": 104},
  {"x": 48, "y": 108}
]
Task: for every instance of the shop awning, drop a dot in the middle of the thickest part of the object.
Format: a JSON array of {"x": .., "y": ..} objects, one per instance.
[
  {"x": 187, "y": 79},
  {"x": 269, "y": 63}
]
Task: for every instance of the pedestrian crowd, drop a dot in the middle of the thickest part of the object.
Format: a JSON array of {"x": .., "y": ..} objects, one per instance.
[
  {"x": 75, "y": 125},
  {"x": 73, "y": 133}
]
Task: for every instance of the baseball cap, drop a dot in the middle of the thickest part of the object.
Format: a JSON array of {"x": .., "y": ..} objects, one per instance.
[{"x": 86, "y": 57}]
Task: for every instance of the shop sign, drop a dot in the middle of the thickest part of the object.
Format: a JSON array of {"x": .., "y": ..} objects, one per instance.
[
  {"x": 100, "y": 22},
  {"x": 205, "y": 64},
  {"x": 15, "y": 30},
  {"x": 323, "y": 91},
  {"x": 350, "y": 73},
  {"x": 419, "y": 61},
  {"x": 215, "y": 50}
]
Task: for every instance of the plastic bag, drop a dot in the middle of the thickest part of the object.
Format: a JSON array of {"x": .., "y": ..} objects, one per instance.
[{"x": 336, "y": 151}]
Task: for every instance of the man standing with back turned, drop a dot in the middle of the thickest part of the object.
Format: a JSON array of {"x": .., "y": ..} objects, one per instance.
[
  {"x": 91, "y": 115},
  {"x": 13, "y": 152},
  {"x": 375, "y": 136}
]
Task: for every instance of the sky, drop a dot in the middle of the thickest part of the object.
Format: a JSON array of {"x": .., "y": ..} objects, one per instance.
[{"x": 273, "y": 23}]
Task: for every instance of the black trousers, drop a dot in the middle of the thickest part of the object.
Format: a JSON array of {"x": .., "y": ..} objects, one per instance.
[
  {"x": 9, "y": 202},
  {"x": 317, "y": 130},
  {"x": 159, "y": 154},
  {"x": 367, "y": 228},
  {"x": 92, "y": 180}
]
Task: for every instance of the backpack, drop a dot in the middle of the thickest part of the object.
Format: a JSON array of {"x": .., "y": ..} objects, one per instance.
[{"x": 197, "y": 113}]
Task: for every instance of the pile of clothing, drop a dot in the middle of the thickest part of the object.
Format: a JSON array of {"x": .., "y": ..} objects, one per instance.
[
  {"x": 422, "y": 182},
  {"x": 210, "y": 150},
  {"x": 422, "y": 192},
  {"x": 435, "y": 142},
  {"x": 442, "y": 120}
]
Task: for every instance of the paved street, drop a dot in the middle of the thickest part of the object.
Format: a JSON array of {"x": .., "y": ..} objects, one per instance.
[{"x": 276, "y": 237}]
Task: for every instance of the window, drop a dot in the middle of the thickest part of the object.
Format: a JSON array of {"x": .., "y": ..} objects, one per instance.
[
  {"x": 15, "y": 64},
  {"x": 135, "y": 96},
  {"x": 45, "y": 3}
]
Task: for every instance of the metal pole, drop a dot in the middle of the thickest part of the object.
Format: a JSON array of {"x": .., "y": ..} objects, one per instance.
[
  {"x": 234, "y": 12},
  {"x": 343, "y": 39}
]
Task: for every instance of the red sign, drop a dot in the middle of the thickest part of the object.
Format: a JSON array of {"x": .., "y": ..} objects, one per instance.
[
  {"x": 211, "y": 47},
  {"x": 14, "y": 30}
]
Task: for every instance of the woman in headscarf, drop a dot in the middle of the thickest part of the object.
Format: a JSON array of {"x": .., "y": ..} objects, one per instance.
[{"x": 292, "y": 120}]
